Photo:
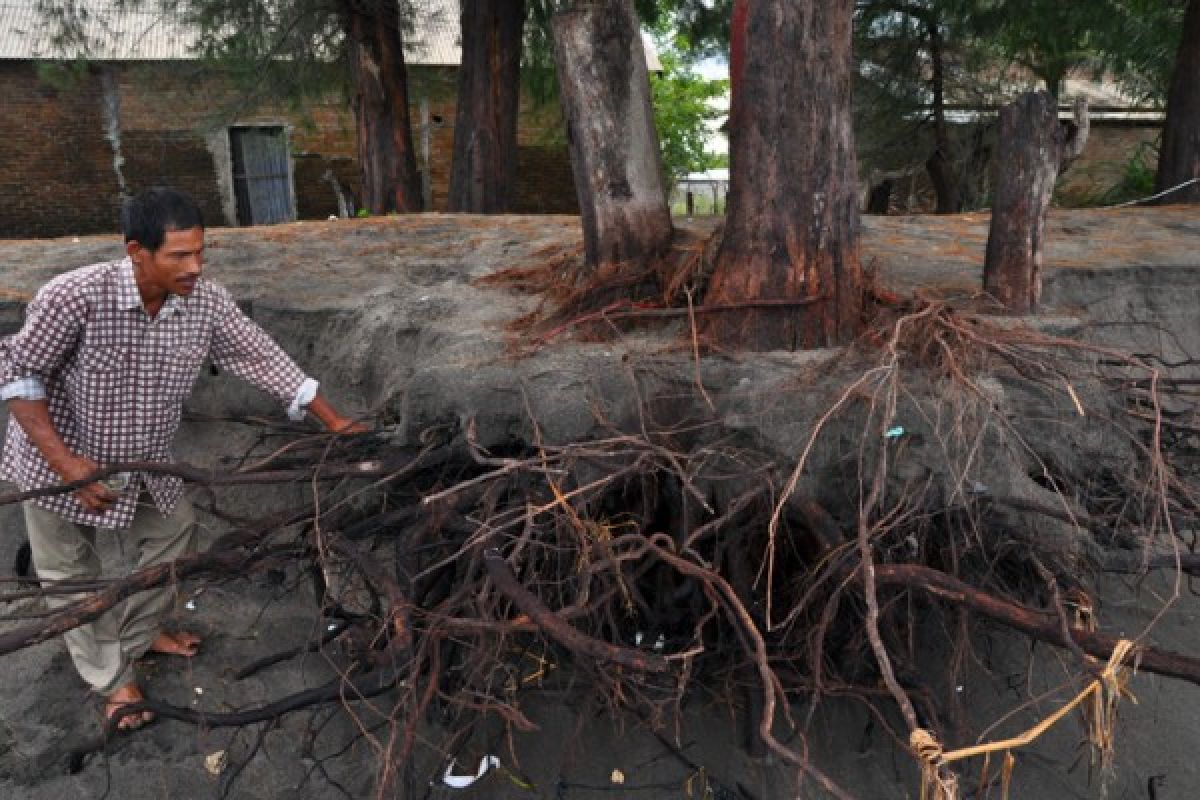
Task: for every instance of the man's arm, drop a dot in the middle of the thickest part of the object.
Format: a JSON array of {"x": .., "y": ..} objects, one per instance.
[
  {"x": 34, "y": 418},
  {"x": 53, "y": 322},
  {"x": 331, "y": 419},
  {"x": 240, "y": 346}
]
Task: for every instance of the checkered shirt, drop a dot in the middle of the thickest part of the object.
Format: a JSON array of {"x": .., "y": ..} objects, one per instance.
[{"x": 115, "y": 379}]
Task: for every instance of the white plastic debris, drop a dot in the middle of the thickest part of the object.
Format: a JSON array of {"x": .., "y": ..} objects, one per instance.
[
  {"x": 199, "y": 690},
  {"x": 333, "y": 217},
  {"x": 331, "y": 626},
  {"x": 637, "y": 638},
  {"x": 216, "y": 762},
  {"x": 660, "y": 642},
  {"x": 617, "y": 776},
  {"x": 894, "y": 432},
  {"x": 75, "y": 239},
  {"x": 190, "y": 605},
  {"x": 463, "y": 781}
]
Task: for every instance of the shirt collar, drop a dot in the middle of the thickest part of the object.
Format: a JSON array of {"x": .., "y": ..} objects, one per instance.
[{"x": 129, "y": 298}]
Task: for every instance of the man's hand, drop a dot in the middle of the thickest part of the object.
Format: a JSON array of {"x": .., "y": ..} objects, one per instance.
[
  {"x": 94, "y": 497},
  {"x": 344, "y": 425},
  {"x": 34, "y": 418}
]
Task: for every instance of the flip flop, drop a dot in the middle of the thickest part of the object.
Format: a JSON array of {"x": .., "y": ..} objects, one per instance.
[{"x": 129, "y": 722}]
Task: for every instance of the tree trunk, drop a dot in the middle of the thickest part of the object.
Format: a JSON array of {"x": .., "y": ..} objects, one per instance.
[
  {"x": 1179, "y": 158},
  {"x": 385, "y": 148},
  {"x": 484, "y": 170},
  {"x": 791, "y": 235},
  {"x": 941, "y": 165},
  {"x": 614, "y": 149},
  {"x": 1034, "y": 147}
]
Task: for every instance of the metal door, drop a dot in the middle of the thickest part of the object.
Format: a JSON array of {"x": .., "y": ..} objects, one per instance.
[{"x": 262, "y": 177}]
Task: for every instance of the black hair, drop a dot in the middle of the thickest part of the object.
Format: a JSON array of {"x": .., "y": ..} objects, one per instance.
[{"x": 147, "y": 216}]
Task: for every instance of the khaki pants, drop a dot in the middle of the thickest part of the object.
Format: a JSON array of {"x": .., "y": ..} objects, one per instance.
[{"x": 105, "y": 649}]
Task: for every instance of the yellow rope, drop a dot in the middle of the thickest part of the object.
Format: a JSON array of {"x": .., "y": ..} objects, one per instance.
[{"x": 1108, "y": 688}]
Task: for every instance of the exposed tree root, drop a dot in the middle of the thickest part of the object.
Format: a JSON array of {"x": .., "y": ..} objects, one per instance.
[{"x": 658, "y": 562}]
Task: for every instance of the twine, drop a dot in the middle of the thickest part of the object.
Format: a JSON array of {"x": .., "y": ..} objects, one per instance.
[{"x": 938, "y": 784}]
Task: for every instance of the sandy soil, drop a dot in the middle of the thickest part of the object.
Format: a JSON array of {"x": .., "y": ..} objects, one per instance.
[{"x": 384, "y": 312}]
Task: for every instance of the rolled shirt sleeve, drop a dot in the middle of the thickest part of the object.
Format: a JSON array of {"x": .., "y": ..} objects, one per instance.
[
  {"x": 246, "y": 350},
  {"x": 304, "y": 396},
  {"x": 53, "y": 324},
  {"x": 26, "y": 389}
]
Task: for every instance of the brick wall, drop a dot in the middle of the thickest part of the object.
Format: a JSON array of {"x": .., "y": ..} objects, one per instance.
[{"x": 56, "y": 166}]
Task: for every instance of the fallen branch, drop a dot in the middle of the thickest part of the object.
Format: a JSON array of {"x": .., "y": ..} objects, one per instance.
[
  {"x": 556, "y": 628},
  {"x": 340, "y": 690}
]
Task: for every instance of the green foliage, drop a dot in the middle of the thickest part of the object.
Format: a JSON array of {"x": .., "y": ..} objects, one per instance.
[
  {"x": 682, "y": 110},
  {"x": 1137, "y": 177},
  {"x": 288, "y": 52},
  {"x": 989, "y": 50},
  {"x": 537, "y": 62},
  {"x": 62, "y": 76},
  {"x": 1134, "y": 40}
]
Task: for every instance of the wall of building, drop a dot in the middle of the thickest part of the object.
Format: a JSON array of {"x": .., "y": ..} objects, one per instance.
[
  {"x": 1106, "y": 161},
  {"x": 55, "y": 164},
  {"x": 68, "y": 147},
  {"x": 1095, "y": 178}
]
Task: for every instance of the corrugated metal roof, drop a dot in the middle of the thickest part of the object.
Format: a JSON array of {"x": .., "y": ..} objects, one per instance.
[
  {"x": 100, "y": 31},
  {"x": 434, "y": 39},
  {"x": 104, "y": 31},
  {"x": 108, "y": 32}
]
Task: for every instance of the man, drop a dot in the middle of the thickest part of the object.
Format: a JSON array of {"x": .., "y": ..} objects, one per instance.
[{"x": 98, "y": 375}]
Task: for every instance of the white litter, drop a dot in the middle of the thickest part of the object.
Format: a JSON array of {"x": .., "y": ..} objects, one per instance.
[
  {"x": 190, "y": 605},
  {"x": 463, "y": 781},
  {"x": 617, "y": 776},
  {"x": 216, "y": 762},
  {"x": 199, "y": 690}
]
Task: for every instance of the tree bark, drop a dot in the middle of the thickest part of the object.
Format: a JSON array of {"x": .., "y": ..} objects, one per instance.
[
  {"x": 1034, "y": 147},
  {"x": 1179, "y": 158},
  {"x": 792, "y": 226},
  {"x": 941, "y": 165},
  {"x": 385, "y": 146},
  {"x": 483, "y": 173},
  {"x": 615, "y": 155}
]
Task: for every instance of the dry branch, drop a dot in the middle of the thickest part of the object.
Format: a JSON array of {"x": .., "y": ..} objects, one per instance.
[{"x": 558, "y": 629}]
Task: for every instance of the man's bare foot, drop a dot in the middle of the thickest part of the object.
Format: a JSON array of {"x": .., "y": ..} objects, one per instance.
[
  {"x": 127, "y": 695},
  {"x": 176, "y": 643}
]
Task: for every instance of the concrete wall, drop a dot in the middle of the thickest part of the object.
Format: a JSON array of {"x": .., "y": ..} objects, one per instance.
[
  {"x": 70, "y": 144},
  {"x": 1090, "y": 180},
  {"x": 1105, "y": 160}
]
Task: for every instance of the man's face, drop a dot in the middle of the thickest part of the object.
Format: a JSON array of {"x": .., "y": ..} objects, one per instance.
[{"x": 173, "y": 268}]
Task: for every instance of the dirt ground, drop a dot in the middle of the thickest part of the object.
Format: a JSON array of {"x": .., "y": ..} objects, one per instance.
[{"x": 385, "y": 313}]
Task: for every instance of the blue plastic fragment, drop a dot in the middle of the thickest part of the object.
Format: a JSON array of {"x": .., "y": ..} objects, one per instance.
[{"x": 894, "y": 433}]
